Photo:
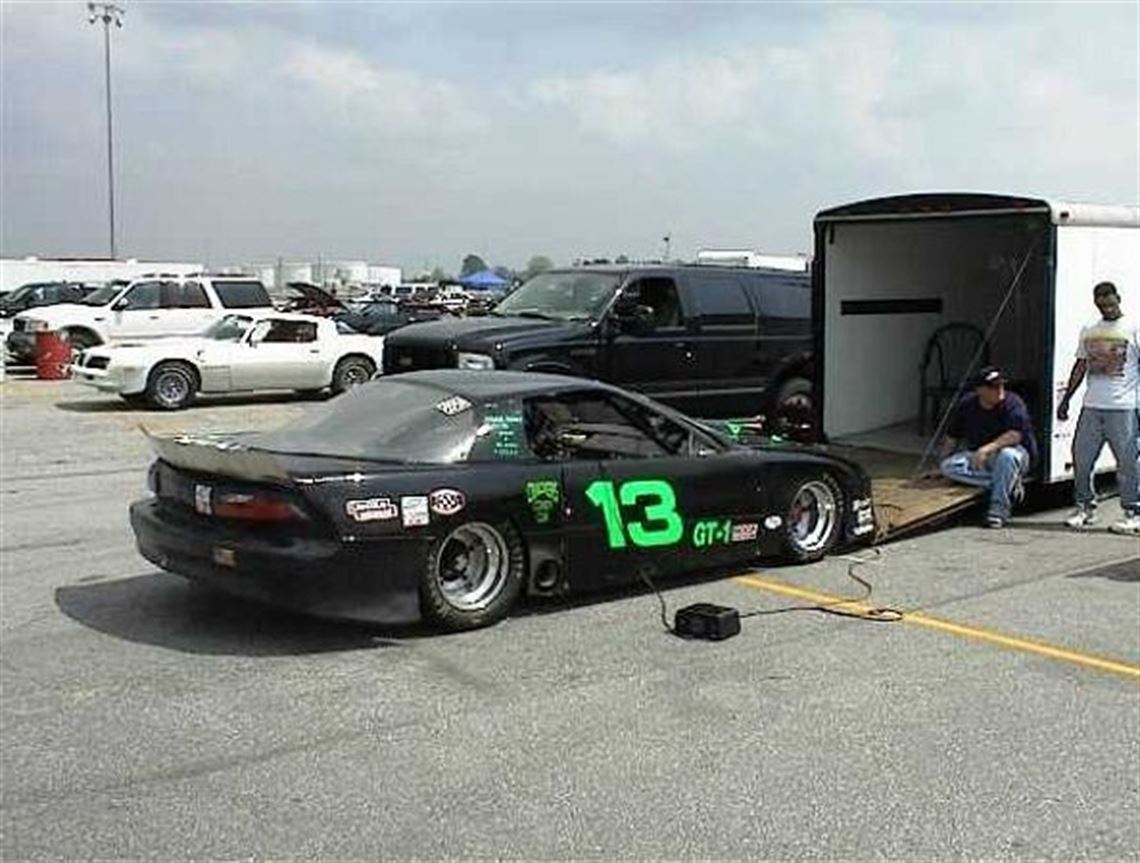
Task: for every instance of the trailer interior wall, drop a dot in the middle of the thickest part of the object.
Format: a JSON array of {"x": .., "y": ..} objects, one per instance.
[{"x": 955, "y": 270}]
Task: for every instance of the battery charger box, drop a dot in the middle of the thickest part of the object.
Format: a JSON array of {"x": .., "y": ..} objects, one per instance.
[{"x": 705, "y": 620}]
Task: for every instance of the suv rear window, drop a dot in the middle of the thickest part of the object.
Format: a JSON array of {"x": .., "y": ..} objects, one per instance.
[
  {"x": 241, "y": 295},
  {"x": 782, "y": 295},
  {"x": 719, "y": 299}
]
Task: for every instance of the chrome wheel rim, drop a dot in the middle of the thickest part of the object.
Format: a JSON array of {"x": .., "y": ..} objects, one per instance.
[
  {"x": 813, "y": 516},
  {"x": 172, "y": 387},
  {"x": 471, "y": 566}
]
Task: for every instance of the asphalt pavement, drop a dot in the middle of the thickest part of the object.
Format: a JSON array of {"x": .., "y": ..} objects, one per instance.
[{"x": 144, "y": 718}]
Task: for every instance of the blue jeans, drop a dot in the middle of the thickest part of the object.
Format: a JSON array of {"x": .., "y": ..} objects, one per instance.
[
  {"x": 1117, "y": 428},
  {"x": 1000, "y": 476}
]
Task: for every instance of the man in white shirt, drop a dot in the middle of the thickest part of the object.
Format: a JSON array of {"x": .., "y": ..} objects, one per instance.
[{"x": 1109, "y": 353}]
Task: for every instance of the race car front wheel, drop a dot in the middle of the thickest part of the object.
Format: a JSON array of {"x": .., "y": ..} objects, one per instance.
[
  {"x": 812, "y": 518},
  {"x": 473, "y": 576}
]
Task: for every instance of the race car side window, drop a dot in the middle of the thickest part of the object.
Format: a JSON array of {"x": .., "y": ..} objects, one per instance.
[{"x": 592, "y": 425}]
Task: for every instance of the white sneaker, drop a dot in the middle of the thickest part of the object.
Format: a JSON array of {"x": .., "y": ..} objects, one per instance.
[
  {"x": 1081, "y": 519},
  {"x": 1130, "y": 525}
]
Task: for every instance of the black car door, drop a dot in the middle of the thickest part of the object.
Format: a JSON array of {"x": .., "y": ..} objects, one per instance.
[{"x": 642, "y": 492}]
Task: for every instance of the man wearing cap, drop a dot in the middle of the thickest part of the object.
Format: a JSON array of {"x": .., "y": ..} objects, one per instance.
[
  {"x": 1109, "y": 354},
  {"x": 990, "y": 443}
]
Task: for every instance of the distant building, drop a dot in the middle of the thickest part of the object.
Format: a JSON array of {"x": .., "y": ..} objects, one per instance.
[
  {"x": 21, "y": 271},
  {"x": 349, "y": 276}
]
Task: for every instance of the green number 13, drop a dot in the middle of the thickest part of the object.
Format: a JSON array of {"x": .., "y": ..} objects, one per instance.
[{"x": 662, "y": 523}]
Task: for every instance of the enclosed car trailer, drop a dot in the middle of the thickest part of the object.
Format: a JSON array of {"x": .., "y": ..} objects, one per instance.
[{"x": 891, "y": 271}]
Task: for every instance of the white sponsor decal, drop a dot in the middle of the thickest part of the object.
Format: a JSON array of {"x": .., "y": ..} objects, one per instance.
[
  {"x": 772, "y": 522},
  {"x": 447, "y": 501},
  {"x": 745, "y": 531},
  {"x": 372, "y": 509},
  {"x": 452, "y": 406},
  {"x": 414, "y": 510},
  {"x": 202, "y": 499}
]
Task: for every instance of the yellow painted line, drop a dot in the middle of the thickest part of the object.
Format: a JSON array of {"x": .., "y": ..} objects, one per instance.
[{"x": 976, "y": 633}]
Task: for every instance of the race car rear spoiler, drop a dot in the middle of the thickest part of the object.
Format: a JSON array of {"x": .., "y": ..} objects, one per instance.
[{"x": 218, "y": 455}]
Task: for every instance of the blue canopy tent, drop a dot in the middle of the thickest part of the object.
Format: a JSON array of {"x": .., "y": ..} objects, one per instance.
[{"x": 484, "y": 280}]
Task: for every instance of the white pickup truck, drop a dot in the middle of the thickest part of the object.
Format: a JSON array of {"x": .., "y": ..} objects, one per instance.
[
  {"x": 145, "y": 308},
  {"x": 239, "y": 353}
]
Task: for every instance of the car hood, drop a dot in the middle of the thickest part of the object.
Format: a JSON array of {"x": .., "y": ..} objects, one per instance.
[{"x": 463, "y": 332}]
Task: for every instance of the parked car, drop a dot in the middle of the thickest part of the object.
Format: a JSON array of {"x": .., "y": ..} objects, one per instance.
[
  {"x": 380, "y": 317},
  {"x": 39, "y": 294},
  {"x": 714, "y": 341},
  {"x": 446, "y": 495},
  {"x": 451, "y": 297},
  {"x": 239, "y": 353},
  {"x": 145, "y": 308},
  {"x": 309, "y": 299}
]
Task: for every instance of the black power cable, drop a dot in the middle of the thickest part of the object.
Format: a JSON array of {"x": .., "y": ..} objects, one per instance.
[{"x": 874, "y": 614}]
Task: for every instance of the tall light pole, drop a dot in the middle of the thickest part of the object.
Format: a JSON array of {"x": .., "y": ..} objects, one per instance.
[{"x": 109, "y": 14}]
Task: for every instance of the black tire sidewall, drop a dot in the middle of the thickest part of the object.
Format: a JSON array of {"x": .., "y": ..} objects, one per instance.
[
  {"x": 338, "y": 384},
  {"x": 792, "y": 552},
  {"x": 438, "y": 611},
  {"x": 151, "y": 394}
]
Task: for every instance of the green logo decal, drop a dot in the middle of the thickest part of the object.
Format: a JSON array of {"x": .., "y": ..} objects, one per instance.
[
  {"x": 661, "y": 523},
  {"x": 543, "y": 496}
]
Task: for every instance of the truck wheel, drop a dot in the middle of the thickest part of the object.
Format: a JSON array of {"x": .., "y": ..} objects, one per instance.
[
  {"x": 473, "y": 576},
  {"x": 794, "y": 410},
  {"x": 171, "y": 386},
  {"x": 812, "y": 513},
  {"x": 80, "y": 340},
  {"x": 351, "y": 372}
]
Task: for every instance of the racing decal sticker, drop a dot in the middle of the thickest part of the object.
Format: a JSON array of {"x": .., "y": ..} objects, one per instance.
[
  {"x": 203, "y": 503},
  {"x": 372, "y": 509},
  {"x": 745, "y": 531},
  {"x": 446, "y": 501},
  {"x": 507, "y": 427},
  {"x": 543, "y": 497},
  {"x": 414, "y": 510},
  {"x": 711, "y": 531},
  {"x": 453, "y": 406}
]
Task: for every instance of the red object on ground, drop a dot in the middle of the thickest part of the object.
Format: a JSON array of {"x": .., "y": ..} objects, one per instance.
[{"x": 53, "y": 356}]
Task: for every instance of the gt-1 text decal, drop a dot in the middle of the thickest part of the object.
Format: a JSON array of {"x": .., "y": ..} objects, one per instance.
[{"x": 661, "y": 524}]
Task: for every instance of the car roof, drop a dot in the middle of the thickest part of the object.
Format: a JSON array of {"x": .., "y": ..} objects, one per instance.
[{"x": 488, "y": 385}]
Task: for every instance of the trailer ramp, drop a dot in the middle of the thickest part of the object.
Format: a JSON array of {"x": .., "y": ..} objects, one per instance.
[{"x": 903, "y": 504}]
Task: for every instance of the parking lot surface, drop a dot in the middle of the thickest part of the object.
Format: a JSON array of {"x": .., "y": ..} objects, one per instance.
[{"x": 145, "y": 718}]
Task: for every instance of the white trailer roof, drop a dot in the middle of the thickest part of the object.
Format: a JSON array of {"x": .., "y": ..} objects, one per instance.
[{"x": 929, "y": 205}]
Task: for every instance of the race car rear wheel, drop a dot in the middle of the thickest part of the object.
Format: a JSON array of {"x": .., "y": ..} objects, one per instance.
[
  {"x": 812, "y": 518},
  {"x": 473, "y": 576},
  {"x": 171, "y": 386}
]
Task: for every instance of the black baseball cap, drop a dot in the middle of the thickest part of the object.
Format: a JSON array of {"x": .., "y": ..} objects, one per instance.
[{"x": 989, "y": 376}]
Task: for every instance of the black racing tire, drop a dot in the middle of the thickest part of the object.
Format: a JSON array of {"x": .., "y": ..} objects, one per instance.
[
  {"x": 472, "y": 575},
  {"x": 171, "y": 385},
  {"x": 811, "y": 510},
  {"x": 350, "y": 372}
]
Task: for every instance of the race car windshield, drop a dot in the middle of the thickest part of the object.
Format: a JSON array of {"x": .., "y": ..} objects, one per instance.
[
  {"x": 228, "y": 329},
  {"x": 561, "y": 296},
  {"x": 382, "y": 421}
]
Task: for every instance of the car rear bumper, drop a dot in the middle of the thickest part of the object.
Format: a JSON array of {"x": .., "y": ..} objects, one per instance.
[
  {"x": 21, "y": 346},
  {"x": 375, "y": 582}
]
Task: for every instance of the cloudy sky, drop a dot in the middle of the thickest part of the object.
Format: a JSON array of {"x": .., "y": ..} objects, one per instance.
[{"x": 414, "y": 133}]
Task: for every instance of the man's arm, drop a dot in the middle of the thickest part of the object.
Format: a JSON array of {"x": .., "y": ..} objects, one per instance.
[
  {"x": 985, "y": 452},
  {"x": 1075, "y": 377}
]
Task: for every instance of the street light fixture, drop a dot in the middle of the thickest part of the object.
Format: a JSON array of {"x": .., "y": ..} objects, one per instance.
[{"x": 109, "y": 14}]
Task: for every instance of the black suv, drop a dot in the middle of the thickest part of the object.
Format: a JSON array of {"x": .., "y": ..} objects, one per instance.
[
  {"x": 39, "y": 294},
  {"x": 712, "y": 341}
]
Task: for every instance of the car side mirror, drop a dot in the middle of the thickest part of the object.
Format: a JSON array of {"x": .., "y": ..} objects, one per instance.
[
  {"x": 638, "y": 320},
  {"x": 120, "y": 304}
]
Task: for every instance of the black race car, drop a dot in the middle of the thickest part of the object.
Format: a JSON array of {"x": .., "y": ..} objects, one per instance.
[{"x": 446, "y": 494}]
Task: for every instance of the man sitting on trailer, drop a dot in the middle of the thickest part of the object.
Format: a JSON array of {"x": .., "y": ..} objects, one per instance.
[{"x": 990, "y": 444}]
